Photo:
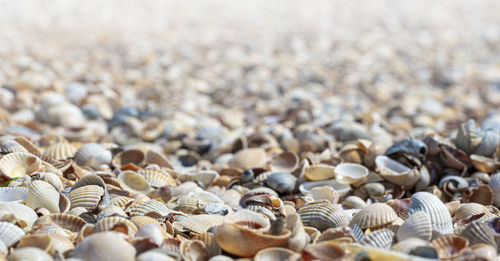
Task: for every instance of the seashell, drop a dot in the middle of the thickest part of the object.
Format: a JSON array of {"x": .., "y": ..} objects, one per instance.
[
  {"x": 473, "y": 140},
  {"x": 342, "y": 189},
  {"x": 451, "y": 184},
  {"x": 381, "y": 238},
  {"x": 400, "y": 206},
  {"x": 202, "y": 223},
  {"x": 281, "y": 182},
  {"x": 87, "y": 197},
  {"x": 247, "y": 218},
  {"x": 193, "y": 250},
  {"x": 480, "y": 252},
  {"x": 153, "y": 157},
  {"x": 323, "y": 215},
  {"x": 438, "y": 212},
  {"x": 111, "y": 223},
  {"x": 467, "y": 210},
  {"x": 337, "y": 233},
  {"x": 8, "y": 145},
  {"x": 349, "y": 173},
  {"x": 284, "y": 162},
  {"x": 494, "y": 184},
  {"x": 60, "y": 151},
  {"x": 481, "y": 194},
  {"x": 28, "y": 145},
  {"x": 298, "y": 239},
  {"x": 449, "y": 246},
  {"x": 157, "y": 179},
  {"x": 409, "y": 244},
  {"x": 105, "y": 246},
  {"x": 452, "y": 206},
  {"x": 453, "y": 158},
  {"x": 131, "y": 156},
  {"x": 249, "y": 158},
  {"x": 478, "y": 233},
  {"x": 396, "y": 172},
  {"x": 133, "y": 182},
  {"x": 13, "y": 194},
  {"x": 484, "y": 164},
  {"x": 209, "y": 240},
  {"x": 354, "y": 202},
  {"x": 93, "y": 179},
  {"x": 153, "y": 232},
  {"x": 22, "y": 212},
  {"x": 319, "y": 172},
  {"x": 112, "y": 211},
  {"x": 42, "y": 194},
  {"x": 66, "y": 221},
  {"x": 10, "y": 233},
  {"x": 417, "y": 225},
  {"x": 142, "y": 208},
  {"x": 373, "y": 216},
  {"x": 203, "y": 177},
  {"x": 152, "y": 256},
  {"x": 121, "y": 201},
  {"x": 276, "y": 253},
  {"x": 42, "y": 241},
  {"x": 327, "y": 251},
  {"x": 27, "y": 253},
  {"x": 52, "y": 179},
  {"x": 325, "y": 193},
  {"x": 351, "y": 153},
  {"x": 18, "y": 164},
  {"x": 92, "y": 155},
  {"x": 408, "y": 146}
]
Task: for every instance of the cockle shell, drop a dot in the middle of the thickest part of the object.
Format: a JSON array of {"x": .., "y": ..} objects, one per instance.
[
  {"x": 18, "y": 164},
  {"x": 323, "y": 215},
  {"x": 416, "y": 225},
  {"x": 400, "y": 206},
  {"x": 121, "y": 201},
  {"x": 10, "y": 233},
  {"x": 60, "y": 151},
  {"x": 110, "y": 223},
  {"x": 105, "y": 246},
  {"x": 133, "y": 182},
  {"x": 449, "y": 246},
  {"x": 193, "y": 250},
  {"x": 438, "y": 212},
  {"x": 13, "y": 194},
  {"x": 27, "y": 253},
  {"x": 8, "y": 145},
  {"x": 66, "y": 221},
  {"x": 298, "y": 239},
  {"x": 87, "y": 197},
  {"x": 157, "y": 179},
  {"x": 342, "y": 189},
  {"x": 395, "y": 172},
  {"x": 467, "y": 210},
  {"x": 349, "y": 173},
  {"x": 42, "y": 194},
  {"x": 140, "y": 221},
  {"x": 93, "y": 155},
  {"x": 43, "y": 241},
  {"x": 381, "y": 238},
  {"x": 373, "y": 216},
  {"x": 249, "y": 158},
  {"x": 327, "y": 251},
  {"x": 203, "y": 177},
  {"x": 148, "y": 206},
  {"x": 319, "y": 172},
  {"x": 276, "y": 253},
  {"x": 478, "y": 233},
  {"x": 202, "y": 223},
  {"x": 153, "y": 157},
  {"x": 125, "y": 157}
]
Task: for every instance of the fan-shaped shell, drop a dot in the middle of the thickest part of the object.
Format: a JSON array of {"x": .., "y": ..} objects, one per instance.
[
  {"x": 477, "y": 233},
  {"x": 20, "y": 211},
  {"x": 416, "y": 225},
  {"x": 60, "y": 151},
  {"x": 467, "y": 210},
  {"x": 209, "y": 240},
  {"x": 374, "y": 215},
  {"x": 323, "y": 216},
  {"x": 10, "y": 233},
  {"x": 133, "y": 182},
  {"x": 65, "y": 221},
  {"x": 140, "y": 221},
  {"x": 42, "y": 194},
  {"x": 93, "y": 155},
  {"x": 438, "y": 212},
  {"x": 395, "y": 172},
  {"x": 18, "y": 164},
  {"x": 149, "y": 206},
  {"x": 450, "y": 246},
  {"x": 157, "y": 179},
  {"x": 109, "y": 223},
  {"x": 249, "y": 158},
  {"x": 121, "y": 201},
  {"x": 87, "y": 197},
  {"x": 8, "y": 145},
  {"x": 105, "y": 246},
  {"x": 400, "y": 206},
  {"x": 319, "y": 172},
  {"x": 203, "y": 177},
  {"x": 13, "y": 194},
  {"x": 202, "y": 223},
  {"x": 381, "y": 238},
  {"x": 349, "y": 173}
]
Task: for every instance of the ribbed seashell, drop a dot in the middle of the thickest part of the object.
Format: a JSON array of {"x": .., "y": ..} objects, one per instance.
[
  {"x": 60, "y": 151},
  {"x": 416, "y": 225},
  {"x": 193, "y": 250},
  {"x": 153, "y": 157},
  {"x": 28, "y": 145},
  {"x": 20, "y": 211},
  {"x": 210, "y": 242},
  {"x": 8, "y": 145},
  {"x": 112, "y": 211},
  {"x": 396, "y": 172},
  {"x": 157, "y": 179},
  {"x": 452, "y": 206},
  {"x": 381, "y": 238},
  {"x": 281, "y": 182},
  {"x": 449, "y": 246},
  {"x": 276, "y": 253},
  {"x": 105, "y": 246},
  {"x": 438, "y": 212},
  {"x": 327, "y": 251},
  {"x": 27, "y": 253},
  {"x": 18, "y": 164},
  {"x": 125, "y": 157},
  {"x": 140, "y": 221},
  {"x": 13, "y": 194},
  {"x": 354, "y": 202},
  {"x": 285, "y": 162},
  {"x": 373, "y": 216},
  {"x": 87, "y": 197},
  {"x": 323, "y": 215},
  {"x": 319, "y": 172},
  {"x": 481, "y": 194},
  {"x": 480, "y": 252},
  {"x": 10, "y": 233},
  {"x": 349, "y": 173},
  {"x": 53, "y": 179},
  {"x": 298, "y": 239},
  {"x": 495, "y": 187},
  {"x": 43, "y": 241},
  {"x": 187, "y": 204},
  {"x": 42, "y": 194},
  {"x": 133, "y": 182},
  {"x": 93, "y": 155},
  {"x": 400, "y": 206},
  {"x": 467, "y": 210},
  {"x": 109, "y": 224},
  {"x": 121, "y": 201},
  {"x": 408, "y": 244},
  {"x": 478, "y": 233},
  {"x": 65, "y": 221},
  {"x": 142, "y": 208},
  {"x": 337, "y": 233},
  {"x": 247, "y": 218},
  {"x": 202, "y": 177}
]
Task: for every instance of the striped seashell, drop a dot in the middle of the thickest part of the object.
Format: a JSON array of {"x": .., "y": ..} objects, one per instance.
[
  {"x": 157, "y": 178},
  {"x": 110, "y": 223},
  {"x": 93, "y": 179},
  {"x": 202, "y": 177},
  {"x": 187, "y": 204},
  {"x": 13, "y": 194},
  {"x": 22, "y": 212},
  {"x": 400, "y": 206},
  {"x": 450, "y": 247},
  {"x": 10, "y": 233},
  {"x": 349, "y": 173},
  {"x": 140, "y": 221},
  {"x": 249, "y": 158},
  {"x": 42, "y": 194},
  {"x": 121, "y": 201},
  {"x": 395, "y": 172},
  {"x": 153, "y": 157},
  {"x": 381, "y": 238},
  {"x": 93, "y": 155},
  {"x": 494, "y": 184},
  {"x": 66, "y": 221},
  {"x": 438, "y": 212},
  {"x": 28, "y": 145},
  {"x": 42, "y": 241},
  {"x": 8, "y": 145},
  {"x": 373, "y": 216},
  {"x": 112, "y": 211},
  {"x": 202, "y": 223},
  {"x": 53, "y": 179},
  {"x": 467, "y": 210},
  {"x": 60, "y": 151},
  {"x": 416, "y": 225},
  {"x": 323, "y": 215},
  {"x": 319, "y": 172},
  {"x": 209, "y": 240},
  {"x": 477, "y": 233},
  {"x": 133, "y": 182},
  {"x": 18, "y": 164},
  {"x": 194, "y": 250},
  {"x": 142, "y": 208},
  {"x": 105, "y": 246},
  {"x": 87, "y": 197}
]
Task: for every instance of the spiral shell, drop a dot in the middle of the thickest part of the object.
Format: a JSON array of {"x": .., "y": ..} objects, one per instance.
[
  {"x": 373, "y": 216},
  {"x": 438, "y": 212},
  {"x": 323, "y": 215},
  {"x": 417, "y": 225}
]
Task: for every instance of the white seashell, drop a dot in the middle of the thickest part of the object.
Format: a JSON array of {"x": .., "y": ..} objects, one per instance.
[
  {"x": 42, "y": 194},
  {"x": 105, "y": 246},
  {"x": 416, "y": 225},
  {"x": 20, "y": 211},
  {"x": 10, "y": 233},
  {"x": 52, "y": 179},
  {"x": 87, "y": 197},
  {"x": 28, "y": 253},
  {"x": 381, "y": 238},
  {"x": 17, "y": 164},
  {"x": 13, "y": 194},
  {"x": 342, "y": 189},
  {"x": 133, "y": 182},
  {"x": 203, "y": 177},
  {"x": 60, "y": 151},
  {"x": 396, "y": 172},
  {"x": 201, "y": 223},
  {"x": 148, "y": 206},
  {"x": 349, "y": 173},
  {"x": 438, "y": 212},
  {"x": 495, "y": 186},
  {"x": 93, "y": 155}
]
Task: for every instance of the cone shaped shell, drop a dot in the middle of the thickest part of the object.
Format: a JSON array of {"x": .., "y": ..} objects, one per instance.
[{"x": 438, "y": 212}]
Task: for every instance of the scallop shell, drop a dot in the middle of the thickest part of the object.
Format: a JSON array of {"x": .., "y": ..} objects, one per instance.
[
  {"x": 93, "y": 179},
  {"x": 110, "y": 223},
  {"x": 149, "y": 206},
  {"x": 157, "y": 179},
  {"x": 349, "y": 173},
  {"x": 450, "y": 246},
  {"x": 66, "y": 221},
  {"x": 381, "y": 238},
  {"x": 276, "y": 253},
  {"x": 133, "y": 182},
  {"x": 87, "y": 197},
  {"x": 373, "y": 216},
  {"x": 20, "y": 211},
  {"x": 467, "y": 210},
  {"x": 125, "y": 157},
  {"x": 438, "y": 212},
  {"x": 121, "y": 201},
  {"x": 396, "y": 172},
  {"x": 203, "y": 177},
  {"x": 478, "y": 233},
  {"x": 323, "y": 216},
  {"x": 140, "y": 221},
  {"x": 13, "y": 194},
  {"x": 400, "y": 206},
  {"x": 481, "y": 194},
  {"x": 92, "y": 155},
  {"x": 249, "y": 158},
  {"x": 416, "y": 225},
  {"x": 10, "y": 233},
  {"x": 285, "y": 162},
  {"x": 42, "y": 194},
  {"x": 18, "y": 164},
  {"x": 60, "y": 151},
  {"x": 319, "y": 172},
  {"x": 105, "y": 246}
]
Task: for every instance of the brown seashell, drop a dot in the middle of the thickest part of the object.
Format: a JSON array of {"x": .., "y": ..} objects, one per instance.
[
  {"x": 28, "y": 145},
  {"x": 87, "y": 197},
  {"x": 319, "y": 172},
  {"x": 66, "y": 221},
  {"x": 111, "y": 224},
  {"x": 484, "y": 164},
  {"x": 400, "y": 206},
  {"x": 481, "y": 194},
  {"x": 467, "y": 210},
  {"x": 336, "y": 233},
  {"x": 374, "y": 215},
  {"x": 139, "y": 209},
  {"x": 153, "y": 157},
  {"x": 453, "y": 158},
  {"x": 157, "y": 179},
  {"x": 210, "y": 242},
  {"x": 450, "y": 246},
  {"x": 42, "y": 241},
  {"x": 128, "y": 156},
  {"x": 140, "y": 221},
  {"x": 312, "y": 233},
  {"x": 351, "y": 153},
  {"x": 105, "y": 246},
  {"x": 192, "y": 250},
  {"x": 276, "y": 253},
  {"x": 249, "y": 158},
  {"x": 60, "y": 151},
  {"x": 18, "y": 164},
  {"x": 323, "y": 215},
  {"x": 121, "y": 201},
  {"x": 298, "y": 239},
  {"x": 325, "y": 251}
]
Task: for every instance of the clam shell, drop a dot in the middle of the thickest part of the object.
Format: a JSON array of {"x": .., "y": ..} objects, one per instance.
[
  {"x": 467, "y": 210},
  {"x": 121, "y": 201},
  {"x": 319, "y": 172},
  {"x": 249, "y": 158},
  {"x": 28, "y": 145},
  {"x": 157, "y": 179},
  {"x": 60, "y": 151},
  {"x": 495, "y": 187},
  {"x": 247, "y": 218},
  {"x": 43, "y": 241},
  {"x": 10, "y": 233},
  {"x": 203, "y": 177},
  {"x": 210, "y": 242},
  {"x": 324, "y": 193},
  {"x": 285, "y": 162},
  {"x": 396, "y": 172},
  {"x": 298, "y": 239},
  {"x": 140, "y": 221},
  {"x": 153, "y": 157},
  {"x": 416, "y": 225},
  {"x": 374, "y": 215},
  {"x": 8, "y": 145},
  {"x": 66, "y": 221},
  {"x": 381, "y": 238},
  {"x": 276, "y": 253},
  {"x": 53, "y": 179},
  {"x": 92, "y": 155},
  {"x": 105, "y": 246},
  {"x": 478, "y": 233},
  {"x": 327, "y": 251},
  {"x": 354, "y": 202},
  {"x": 20, "y": 211},
  {"x": 450, "y": 246},
  {"x": 349, "y": 173},
  {"x": 27, "y": 253},
  {"x": 13, "y": 194},
  {"x": 323, "y": 216},
  {"x": 42, "y": 194},
  {"x": 142, "y": 208},
  {"x": 87, "y": 197},
  {"x": 110, "y": 223},
  {"x": 18, "y": 164},
  {"x": 133, "y": 182},
  {"x": 438, "y": 212},
  {"x": 193, "y": 250},
  {"x": 112, "y": 211},
  {"x": 483, "y": 164},
  {"x": 125, "y": 157},
  {"x": 481, "y": 194},
  {"x": 401, "y": 207}
]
